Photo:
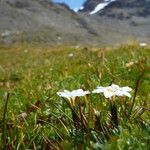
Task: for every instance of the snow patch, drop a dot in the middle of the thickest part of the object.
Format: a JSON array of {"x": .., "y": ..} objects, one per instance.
[
  {"x": 81, "y": 8},
  {"x": 101, "y": 6}
]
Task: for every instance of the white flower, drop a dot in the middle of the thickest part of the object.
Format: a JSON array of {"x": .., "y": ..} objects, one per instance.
[
  {"x": 113, "y": 90},
  {"x": 25, "y": 51},
  {"x": 70, "y": 55},
  {"x": 129, "y": 64},
  {"x": 73, "y": 94},
  {"x": 142, "y": 44}
]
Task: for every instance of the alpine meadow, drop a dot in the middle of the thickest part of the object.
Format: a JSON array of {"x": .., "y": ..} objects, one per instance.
[{"x": 75, "y": 80}]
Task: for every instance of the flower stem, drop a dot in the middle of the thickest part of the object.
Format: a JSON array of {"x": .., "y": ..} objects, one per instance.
[{"x": 114, "y": 113}]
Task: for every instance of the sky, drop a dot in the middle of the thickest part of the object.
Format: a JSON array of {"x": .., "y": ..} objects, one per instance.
[{"x": 73, "y": 4}]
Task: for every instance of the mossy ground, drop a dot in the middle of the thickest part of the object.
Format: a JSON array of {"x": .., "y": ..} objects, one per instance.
[{"x": 32, "y": 76}]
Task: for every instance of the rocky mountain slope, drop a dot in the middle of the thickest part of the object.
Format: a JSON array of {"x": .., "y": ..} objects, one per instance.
[
  {"x": 121, "y": 9},
  {"x": 121, "y": 19},
  {"x": 44, "y": 21}
]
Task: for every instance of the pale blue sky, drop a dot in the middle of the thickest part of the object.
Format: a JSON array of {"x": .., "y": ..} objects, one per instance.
[{"x": 72, "y": 3}]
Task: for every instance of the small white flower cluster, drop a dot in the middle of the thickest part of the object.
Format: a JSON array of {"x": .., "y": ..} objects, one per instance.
[{"x": 109, "y": 91}]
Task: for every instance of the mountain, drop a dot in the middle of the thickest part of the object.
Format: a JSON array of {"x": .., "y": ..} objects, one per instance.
[
  {"x": 122, "y": 9},
  {"x": 101, "y": 22},
  {"x": 120, "y": 19},
  {"x": 42, "y": 21}
]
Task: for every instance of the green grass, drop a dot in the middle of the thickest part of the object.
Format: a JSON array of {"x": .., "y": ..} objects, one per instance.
[{"x": 31, "y": 76}]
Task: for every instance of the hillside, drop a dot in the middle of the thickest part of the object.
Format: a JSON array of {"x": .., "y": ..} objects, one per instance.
[
  {"x": 36, "y": 20},
  {"x": 121, "y": 19},
  {"x": 46, "y": 22}
]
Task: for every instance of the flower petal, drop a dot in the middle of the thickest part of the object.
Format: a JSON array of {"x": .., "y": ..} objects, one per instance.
[
  {"x": 96, "y": 91},
  {"x": 67, "y": 92},
  {"x": 126, "y": 94},
  {"x": 63, "y": 94},
  {"x": 108, "y": 94},
  {"x": 114, "y": 86},
  {"x": 118, "y": 93},
  {"x": 126, "y": 88},
  {"x": 99, "y": 90},
  {"x": 79, "y": 92},
  {"x": 86, "y": 92}
]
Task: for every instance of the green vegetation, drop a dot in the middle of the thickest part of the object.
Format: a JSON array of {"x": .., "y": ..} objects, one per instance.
[{"x": 33, "y": 116}]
